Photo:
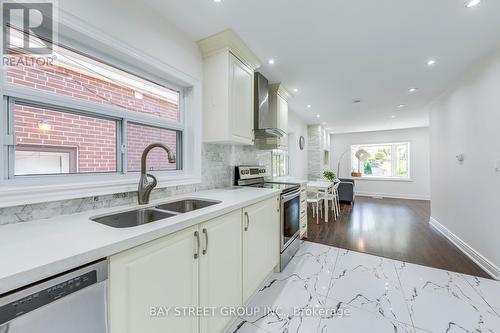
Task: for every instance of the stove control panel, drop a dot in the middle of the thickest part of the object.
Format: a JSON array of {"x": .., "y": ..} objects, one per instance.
[{"x": 250, "y": 172}]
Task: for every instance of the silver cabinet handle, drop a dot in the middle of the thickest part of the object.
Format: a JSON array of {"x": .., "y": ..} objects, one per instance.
[
  {"x": 197, "y": 236},
  {"x": 278, "y": 204},
  {"x": 205, "y": 232},
  {"x": 248, "y": 221}
]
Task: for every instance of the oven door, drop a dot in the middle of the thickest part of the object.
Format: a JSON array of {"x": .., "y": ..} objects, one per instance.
[{"x": 290, "y": 218}]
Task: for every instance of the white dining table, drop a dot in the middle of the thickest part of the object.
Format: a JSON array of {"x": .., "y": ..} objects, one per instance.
[{"x": 323, "y": 186}]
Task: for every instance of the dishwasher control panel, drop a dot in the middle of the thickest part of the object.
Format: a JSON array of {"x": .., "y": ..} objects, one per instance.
[{"x": 45, "y": 296}]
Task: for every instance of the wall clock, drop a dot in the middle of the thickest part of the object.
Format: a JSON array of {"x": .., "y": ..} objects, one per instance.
[{"x": 302, "y": 142}]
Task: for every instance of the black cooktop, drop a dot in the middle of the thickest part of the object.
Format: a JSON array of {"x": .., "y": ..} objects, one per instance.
[{"x": 277, "y": 186}]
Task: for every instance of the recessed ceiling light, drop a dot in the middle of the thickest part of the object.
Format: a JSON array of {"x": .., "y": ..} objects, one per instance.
[
  {"x": 393, "y": 116},
  {"x": 271, "y": 62},
  {"x": 401, "y": 106},
  {"x": 412, "y": 90},
  {"x": 472, "y": 3},
  {"x": 295, "y": 90},
  {"x": 308, "y": 106},
  {"x": 317, "y": 116},
  {"x": 431, "y": 62},
  {"x": 217, "y": 1}
]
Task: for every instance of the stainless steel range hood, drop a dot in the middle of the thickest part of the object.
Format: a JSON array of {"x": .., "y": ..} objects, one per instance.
[{"x": 265, "y": 125}]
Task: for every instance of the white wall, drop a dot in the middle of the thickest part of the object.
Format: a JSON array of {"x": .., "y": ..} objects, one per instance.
[
  {"x": 298, "y": 158},
  {"x": 135, "y": 24},
  {"x": 465, "y": 197},
  {"x": 417, "y": 188}
]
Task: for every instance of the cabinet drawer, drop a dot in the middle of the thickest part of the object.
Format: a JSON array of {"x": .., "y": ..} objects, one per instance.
[{"x": 303, "y": 222}]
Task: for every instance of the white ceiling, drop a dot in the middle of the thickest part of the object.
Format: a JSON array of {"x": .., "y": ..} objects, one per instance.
[{"x": 335, "y": 51}]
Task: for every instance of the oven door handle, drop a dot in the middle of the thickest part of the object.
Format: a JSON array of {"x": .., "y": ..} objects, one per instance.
[{"x": 290, "y": 196}]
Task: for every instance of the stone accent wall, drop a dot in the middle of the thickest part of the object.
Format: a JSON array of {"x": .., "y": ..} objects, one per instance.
[
  {"x": 314, "y": 152},
  {"x": 218, "y": 162}
]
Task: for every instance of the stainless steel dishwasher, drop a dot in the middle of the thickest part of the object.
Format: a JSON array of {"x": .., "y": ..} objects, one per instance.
[{"x": 74, "y": 301}]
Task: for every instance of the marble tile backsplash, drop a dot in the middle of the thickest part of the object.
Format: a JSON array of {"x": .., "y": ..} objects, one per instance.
[{"x": 218, "y": 161}]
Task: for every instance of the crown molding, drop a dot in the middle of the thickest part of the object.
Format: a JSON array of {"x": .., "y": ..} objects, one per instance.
[{"x": 229, "y": 40}]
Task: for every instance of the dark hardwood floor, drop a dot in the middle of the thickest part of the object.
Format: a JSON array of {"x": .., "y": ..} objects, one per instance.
[{"x": 392, "y": 228}]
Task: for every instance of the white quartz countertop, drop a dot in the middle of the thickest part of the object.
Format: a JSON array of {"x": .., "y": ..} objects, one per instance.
[
  {"x": 31, "y": 251},
  {"x": 288, "y": 179}
]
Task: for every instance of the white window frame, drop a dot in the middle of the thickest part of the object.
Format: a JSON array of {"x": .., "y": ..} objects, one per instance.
[
  {"x": 34, "y": 189},
  {"x": 393, "y": 161}
]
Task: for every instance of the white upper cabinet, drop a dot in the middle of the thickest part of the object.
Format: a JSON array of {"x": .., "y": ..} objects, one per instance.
[
  {"x": 283, "y": 120},
  {"x": 279, "y": 105},
  {"x": 228, "y": 96},
  {"x": 241, "y": 105}
]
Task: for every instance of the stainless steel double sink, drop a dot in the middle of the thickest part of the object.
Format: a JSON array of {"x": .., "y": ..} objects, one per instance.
[{"x": 140, "y": 216}]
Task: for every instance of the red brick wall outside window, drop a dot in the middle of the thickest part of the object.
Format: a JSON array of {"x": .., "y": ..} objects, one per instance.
[{"x": 94, "y": 138}]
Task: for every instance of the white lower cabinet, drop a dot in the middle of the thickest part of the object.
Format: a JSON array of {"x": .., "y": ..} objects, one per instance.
[
  {"x": 161, "y": 273},
  {"x": 216, "y": 264},
  {"x": 303, "y": 211},
  {"x": 261, "y": 230},
  {"x": 220, "y": 269}
]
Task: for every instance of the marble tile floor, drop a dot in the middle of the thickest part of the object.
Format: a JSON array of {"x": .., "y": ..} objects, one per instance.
[{"x": 327, "y": 289}]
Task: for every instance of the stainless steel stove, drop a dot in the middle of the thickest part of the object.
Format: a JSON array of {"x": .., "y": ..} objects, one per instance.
[{"x": 254, "y": 176}]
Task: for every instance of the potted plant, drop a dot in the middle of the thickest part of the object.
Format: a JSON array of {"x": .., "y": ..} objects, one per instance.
[{"x": 330, "y": 175}]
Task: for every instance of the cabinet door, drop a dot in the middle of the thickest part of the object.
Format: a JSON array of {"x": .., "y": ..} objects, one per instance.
[
  {"x": 282, "y": 114},
  {"x": 260, "y": 243},
  {"x": 283, "y": 121},
  {"x": 241, "y": 97},
  {"x": 162, "y": 273},
  {"x": 220, "y": 269}
]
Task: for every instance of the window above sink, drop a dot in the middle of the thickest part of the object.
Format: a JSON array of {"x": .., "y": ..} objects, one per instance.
[{"x": 71, "y": 127}]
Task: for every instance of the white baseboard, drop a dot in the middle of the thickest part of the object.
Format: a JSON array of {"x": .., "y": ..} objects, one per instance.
[
  {"x": 468, "y": 250},
  {"x": 393, "y": 195}
]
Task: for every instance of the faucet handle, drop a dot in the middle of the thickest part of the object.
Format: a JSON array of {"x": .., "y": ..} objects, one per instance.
[{"x": 153, "y": 182}]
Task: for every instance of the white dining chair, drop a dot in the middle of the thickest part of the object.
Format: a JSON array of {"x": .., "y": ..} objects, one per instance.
[
  {"x": 337, "y": 194},
  {"x": 336, "y": 197},
  {"x": 315, "y": 198},
  {"x": 333, "y": 196}
]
